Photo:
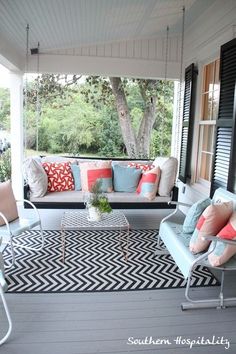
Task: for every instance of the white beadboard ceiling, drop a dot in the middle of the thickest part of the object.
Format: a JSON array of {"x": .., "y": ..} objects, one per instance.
[{"x": 69, "y": 24}]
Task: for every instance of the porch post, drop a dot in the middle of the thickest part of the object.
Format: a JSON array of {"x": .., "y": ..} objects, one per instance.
[{"x": 16, "y": 100}]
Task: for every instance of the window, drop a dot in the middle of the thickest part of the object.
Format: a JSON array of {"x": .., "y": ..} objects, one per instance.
[{"x": 209, "y": 110}]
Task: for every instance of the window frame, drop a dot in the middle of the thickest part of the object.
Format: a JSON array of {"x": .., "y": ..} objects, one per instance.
[{"x": 206, "y": 183}]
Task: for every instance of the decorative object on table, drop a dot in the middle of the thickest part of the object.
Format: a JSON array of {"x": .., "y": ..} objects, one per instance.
[{"x": 96, "y": 202}]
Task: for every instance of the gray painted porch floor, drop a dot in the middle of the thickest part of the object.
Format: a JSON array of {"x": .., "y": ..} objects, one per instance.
[{"x": 103, "y": 322}]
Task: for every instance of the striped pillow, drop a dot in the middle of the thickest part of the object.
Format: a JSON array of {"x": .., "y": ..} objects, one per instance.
[
  {"x": 148, "y": 184},
  {"x": 210, "y": 223},
  {"x": 92, "y": 171},
  {"x": 223, "y": 252}
]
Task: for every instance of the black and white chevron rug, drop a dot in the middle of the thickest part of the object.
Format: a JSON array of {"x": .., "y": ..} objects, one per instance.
[{"x": 94, "y": 262}]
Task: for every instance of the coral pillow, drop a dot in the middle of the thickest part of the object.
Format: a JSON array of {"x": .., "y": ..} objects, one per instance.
[
  {"x": 59, "y": 176},
  {"x": 141, "y": 166},
  {"x": 223, "y": 252},
  {"x": 92, "y": 171},
  {"x": 148, "y": 184},
  {"x": 210, "y": 223},
  {"x": 7, "y": 202}
]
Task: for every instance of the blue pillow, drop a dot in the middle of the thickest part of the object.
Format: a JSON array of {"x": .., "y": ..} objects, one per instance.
[
  {"x": 194, "y": 214},
  {"x": 125, "y": 179},
  {"x": 76, "y": 175}
]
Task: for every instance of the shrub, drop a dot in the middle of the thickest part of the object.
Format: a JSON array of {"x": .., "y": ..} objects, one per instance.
[{"x": 5, "y": 166}]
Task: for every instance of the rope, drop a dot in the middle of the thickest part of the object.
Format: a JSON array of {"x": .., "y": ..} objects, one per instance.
[
  {"x": 164, "y": 103},
  {"x": 26, "y": 87},
  {"x": 37, "y": 103}
]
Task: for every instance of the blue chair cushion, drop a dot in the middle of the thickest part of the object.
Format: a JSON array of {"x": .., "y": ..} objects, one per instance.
[
  {"x": 177, "y": 242},
  {"x": 18, "y": 226}
]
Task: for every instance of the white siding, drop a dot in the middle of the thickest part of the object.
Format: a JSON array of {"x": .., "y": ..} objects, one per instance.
[{"x": 203, "y": 41}]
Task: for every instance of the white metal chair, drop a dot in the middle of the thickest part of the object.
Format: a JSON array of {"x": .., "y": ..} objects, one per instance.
[
  {"x": 17, "y": 227},
  {"x": 3, "y": 288}
]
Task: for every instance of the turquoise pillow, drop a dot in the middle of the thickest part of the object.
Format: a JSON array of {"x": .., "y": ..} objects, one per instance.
[
  {"x": 76, "y": 175},
  {"x": 125, "y": 179},
  {"x": 194, "y": 214}
]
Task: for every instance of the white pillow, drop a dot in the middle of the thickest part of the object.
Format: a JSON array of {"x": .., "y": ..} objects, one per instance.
[
  {"x": 36, "y": 177},
  {"x": 159, "y": 161},
  {"x": 168, "y": 176}
]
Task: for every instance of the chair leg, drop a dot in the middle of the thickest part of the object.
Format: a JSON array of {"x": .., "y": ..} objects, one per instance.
[
  {"x": 16, "y": 244},
  {"x": 218, "y": 303},
  {"x": 12, "y": 263},
  {"x": 8, "y": 317},
  {"x": 160, "y": 250}
]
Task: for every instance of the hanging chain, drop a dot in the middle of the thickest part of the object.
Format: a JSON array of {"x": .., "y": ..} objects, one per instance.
[
  {"x": 37, "y": 103},
  {"x": 26, "y": 88},
  {"x": 164, "y": 101},
  {"x": 178, "y": 119}
]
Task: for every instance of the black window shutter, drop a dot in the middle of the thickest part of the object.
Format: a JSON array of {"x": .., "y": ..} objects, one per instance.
[
  {"x": 187, "y": 125},
  {"x": 224, "y": 160}
]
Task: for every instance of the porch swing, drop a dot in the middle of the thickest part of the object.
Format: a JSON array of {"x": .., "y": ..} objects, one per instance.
[{"x": 124, "y": 201}]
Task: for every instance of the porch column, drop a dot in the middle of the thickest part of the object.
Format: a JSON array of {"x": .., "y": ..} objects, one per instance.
[{"x": 16, "y": 100}]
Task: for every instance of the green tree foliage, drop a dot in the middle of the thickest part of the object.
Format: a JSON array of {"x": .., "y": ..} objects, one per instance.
[
  {"x": 4, "y": 109},
  {"x": 138, "y": 92},
  {"x": 5, "y": 166},
  {"x": 77, "y": 115}
]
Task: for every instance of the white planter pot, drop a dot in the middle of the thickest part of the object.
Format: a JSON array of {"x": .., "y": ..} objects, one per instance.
[{"x": 94, "y": 214}]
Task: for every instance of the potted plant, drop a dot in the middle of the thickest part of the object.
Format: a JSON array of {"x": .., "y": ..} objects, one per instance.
[{"x": 97, "y": 203}]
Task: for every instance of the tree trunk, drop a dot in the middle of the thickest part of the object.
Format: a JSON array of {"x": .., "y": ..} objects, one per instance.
[
  {"x": 148, "y": 120},
  {"x": 127, "y": 130}
]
